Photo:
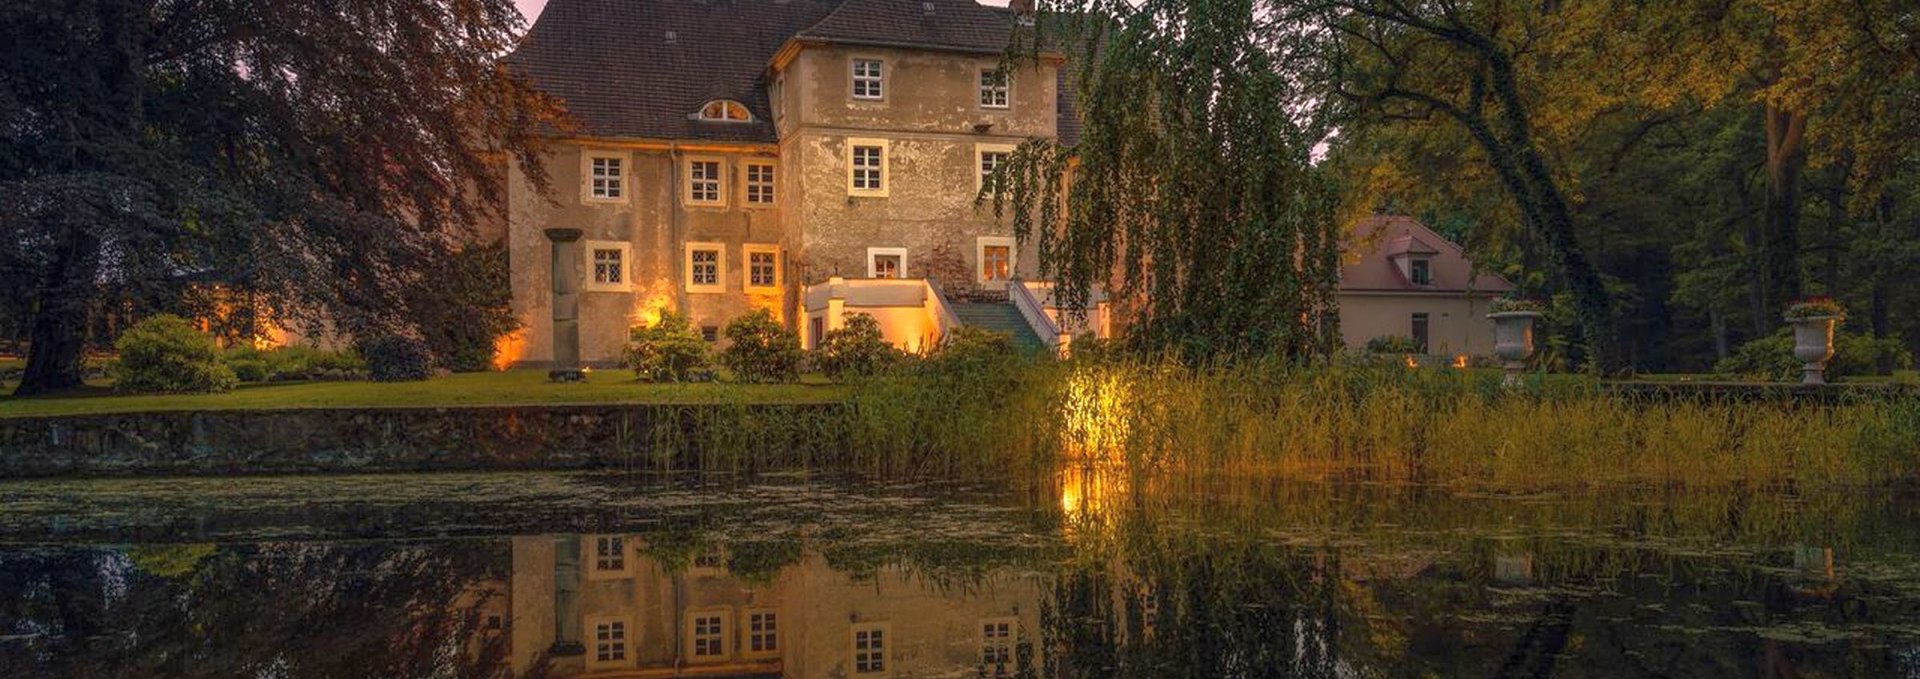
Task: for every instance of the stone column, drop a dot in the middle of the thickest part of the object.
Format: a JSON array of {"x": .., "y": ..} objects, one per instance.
[{"x": 566, "y": 306}]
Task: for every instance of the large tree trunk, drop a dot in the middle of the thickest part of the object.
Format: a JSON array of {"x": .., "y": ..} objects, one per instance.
[
  {"x": 1786, "y": 159},
  {"x": 57, "y": 341}
]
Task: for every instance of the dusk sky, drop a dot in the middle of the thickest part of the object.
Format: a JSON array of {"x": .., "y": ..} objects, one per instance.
[{"x": 531, "y": 8}]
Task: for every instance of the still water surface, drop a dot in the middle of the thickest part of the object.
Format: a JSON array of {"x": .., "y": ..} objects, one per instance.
[{"x": 564, "y": 575}]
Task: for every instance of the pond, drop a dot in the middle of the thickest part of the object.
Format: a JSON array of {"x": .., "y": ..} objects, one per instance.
[{"x": 1082, "y": 575}]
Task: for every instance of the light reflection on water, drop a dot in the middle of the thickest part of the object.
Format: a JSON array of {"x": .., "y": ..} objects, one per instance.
[{"x": 1087, "y": 575}]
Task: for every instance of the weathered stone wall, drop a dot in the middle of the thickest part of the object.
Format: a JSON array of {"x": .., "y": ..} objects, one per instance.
[
  {"x": 412, "y": 439},
  {"x": 656, "y": 224}
]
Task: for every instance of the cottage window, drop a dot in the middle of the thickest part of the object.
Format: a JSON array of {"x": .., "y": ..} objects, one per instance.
[
  {"x": 996, "y": 646},
  {"x": 1421, "y": 271},
  {"x": 867, "y": 167},
  {"x": 708, "y": 636},
  {"x": 704, "y": 263},
  {"x": 606, "y": 178},
  {"x": 609, "y": 553},
  {"x": 990, "y": 162},
  {"x": 607, "y": 266},
  {"x": 763, "y": 632},
  {"x": 993, "y": 88},
  {"x": 703, "y": 181},
  {"x": 870, "y": 649},
  {"x": 725, "y": 110},
  {"x": 760, "y": 183},
  {"x": 868, "y": 79},
  {"x": 763, "y": 267},
  {"x": 610, "y": 641},
  {"x": 1420, "y": 322}
]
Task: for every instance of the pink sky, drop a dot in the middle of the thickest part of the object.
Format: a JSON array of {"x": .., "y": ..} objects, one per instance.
[{"x": 531, "y": 8}]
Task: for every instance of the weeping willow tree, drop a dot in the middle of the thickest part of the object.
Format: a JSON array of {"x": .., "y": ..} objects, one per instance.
[{"x": 1190, "y": 196}]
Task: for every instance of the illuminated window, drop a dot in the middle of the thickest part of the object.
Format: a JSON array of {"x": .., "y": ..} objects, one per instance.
[
  {"x": 993, "y": 88},
  {"x": 996, "y": 646},
  {"x": 870, "y": 649},
  {"x": 867, "y": 167},
  {"x": 995, "y": 254},
  {"x": 704, "y": 181},
  {"x": 704, "y": 264},
  {"x": 725, "y": 110},
  {"x": 763, "y": 632},
  {"x": 868, "y": 79},
  {"x": 608, "y": 269},
  {"x": 760, "y": 184},
  {"x": 886, "y": 262}
]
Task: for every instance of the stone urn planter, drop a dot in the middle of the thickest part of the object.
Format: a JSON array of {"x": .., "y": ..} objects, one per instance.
[
  {"x": 1513, "y": 342},
  {"x": 1813, "y": 345}
]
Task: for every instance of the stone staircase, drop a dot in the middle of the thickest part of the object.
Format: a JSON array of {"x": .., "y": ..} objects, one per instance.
[{"x": 1000, "y": 317}]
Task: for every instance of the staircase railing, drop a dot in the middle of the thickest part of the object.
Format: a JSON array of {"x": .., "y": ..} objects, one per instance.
[
  {"x": 1037, "y": 318},
  {"x": 945, "y": 320}
]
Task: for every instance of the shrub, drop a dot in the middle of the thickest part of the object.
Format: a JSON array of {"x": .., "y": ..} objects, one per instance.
[
  {"x": 1814, "y": 307},
  {"x": 250, "y": 369},
  {"x": 760, "y": 349},
  {"x": 670, "y": 350},
  {"x": 165, "y": 353},
  {"x": 467, "y": 309},
  {"x": 1392, "y": 344},
  {"x": 855, "y": 350},
  {"x": 1771, "y": 357},
  {"x": 397, "y": 358},
  {"x": 1513, "y": 304}
]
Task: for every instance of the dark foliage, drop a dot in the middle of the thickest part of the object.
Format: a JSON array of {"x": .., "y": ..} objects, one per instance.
[
  {"x": 397, "y": 358},
  {"x": 466, "y": 308}
]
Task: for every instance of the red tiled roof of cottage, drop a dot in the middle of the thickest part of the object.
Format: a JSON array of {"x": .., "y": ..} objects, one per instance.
[{"x": 1379, "y": 240}]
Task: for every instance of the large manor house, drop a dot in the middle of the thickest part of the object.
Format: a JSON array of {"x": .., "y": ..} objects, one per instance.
[{"x": 818, "y": 158}]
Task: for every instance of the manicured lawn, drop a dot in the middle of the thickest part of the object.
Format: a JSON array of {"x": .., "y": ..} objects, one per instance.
[{"x": 515, "y": 387}]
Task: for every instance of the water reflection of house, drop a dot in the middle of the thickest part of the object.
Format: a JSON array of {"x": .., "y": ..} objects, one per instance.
[{"x": 599, "y": 606}]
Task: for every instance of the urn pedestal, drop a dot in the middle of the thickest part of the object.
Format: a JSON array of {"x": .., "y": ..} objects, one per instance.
[
  {"x": 1513, "y": 342},
  {"x": 1813, "y": 346}
]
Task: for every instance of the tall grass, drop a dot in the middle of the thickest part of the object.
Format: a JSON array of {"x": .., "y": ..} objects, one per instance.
[{"x": 1011, "y": 419}]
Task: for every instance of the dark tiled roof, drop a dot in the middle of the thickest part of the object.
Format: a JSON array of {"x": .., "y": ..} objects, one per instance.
[
  {"x": 962, "y": 25},
  {"x": 640, "y": 68}
]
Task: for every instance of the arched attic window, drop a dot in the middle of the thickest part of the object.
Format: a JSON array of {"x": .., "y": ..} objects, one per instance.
[{"x": 726, "y": 111}]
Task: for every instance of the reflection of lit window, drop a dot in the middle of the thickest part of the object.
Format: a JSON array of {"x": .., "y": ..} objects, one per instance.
[
  {"x": 996, "y": 646},
  {"x": 763, "y": 632},
  {"x": 610, "y": 553},
  {"x": 610, "y": 641},
  {"x": 869, "y": 649},
  {"x": 709, "y": 636}
]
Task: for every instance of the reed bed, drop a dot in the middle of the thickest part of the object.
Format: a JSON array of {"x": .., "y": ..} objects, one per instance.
[{"x": 1020, "y": 420}]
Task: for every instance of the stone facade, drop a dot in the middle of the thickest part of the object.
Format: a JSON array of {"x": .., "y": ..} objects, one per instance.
[{"x": 693, "y": 217}]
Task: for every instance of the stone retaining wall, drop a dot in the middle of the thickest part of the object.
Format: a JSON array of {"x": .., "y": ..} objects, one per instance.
[{"x": 400, "y": 439}]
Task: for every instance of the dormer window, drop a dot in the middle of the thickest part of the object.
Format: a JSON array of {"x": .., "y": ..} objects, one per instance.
[
  {"x": 726, "y": 111},
  {"x": 1420, "y": 271}
]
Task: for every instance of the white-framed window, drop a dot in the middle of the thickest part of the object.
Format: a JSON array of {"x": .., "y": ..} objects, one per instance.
[
  {"x": 996, "y": 646},
  {"x": 612, "y": 642},
  {"x": 763, "y": 633},
  {"x": 886, "y": 262},
  {"x": 706, "y": 181},
  {"x": 996, "y": 257},
  {"x": 604, "y": 177},
  {"x": 988, "y": 158},
  {"x": 869, "y": 78},
  {"x": 707, "y": 635},
  {"x": 763, "y": 267},
  {"x": 725, "y": 111},
  {"x": 760, "y": 183},
  {"x": 609, "y": 266},
  {"x": 871, "y": 650},
  {"x": 606, "y": 557},
  {"x": 705, "y": 262},
  {"x": 996, "y": 86},
  {"x": 867, "y": 167}
]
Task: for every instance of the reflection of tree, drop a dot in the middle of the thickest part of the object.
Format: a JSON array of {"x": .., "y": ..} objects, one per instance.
[{"x": 286, "y": 609}]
